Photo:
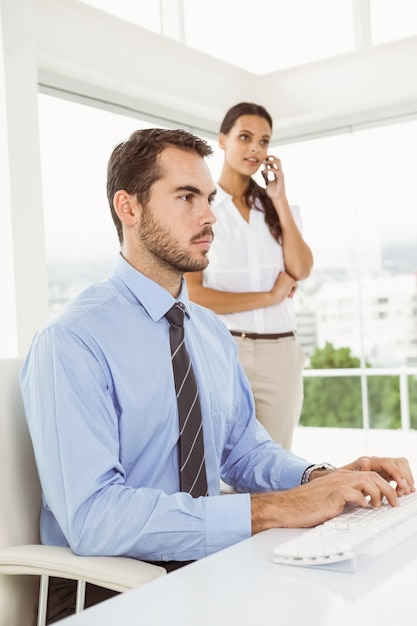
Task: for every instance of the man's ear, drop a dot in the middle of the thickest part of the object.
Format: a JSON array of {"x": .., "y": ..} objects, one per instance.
[{"x": 126, "y": 207}]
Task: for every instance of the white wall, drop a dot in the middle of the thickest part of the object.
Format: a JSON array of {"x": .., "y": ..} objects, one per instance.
[{"x": 20, "y": 176}]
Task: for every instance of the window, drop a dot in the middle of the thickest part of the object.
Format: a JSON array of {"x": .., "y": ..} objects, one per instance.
[
  {"x": 392, "y": 19},
  {"x": 358, "y": 204},
  {"x": 359, "y": 209},
  {"x": 81, "y": 239}
]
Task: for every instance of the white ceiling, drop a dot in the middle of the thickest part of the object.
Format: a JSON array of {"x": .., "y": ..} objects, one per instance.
[
  {"x": 85, "y": 52},
  {"x": 275, "y": 34}
]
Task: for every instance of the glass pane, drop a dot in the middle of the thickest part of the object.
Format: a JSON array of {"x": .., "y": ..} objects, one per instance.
[
  {"x": 81, "y": 239},
  {"x": 392, "y": 19},
  {"x": 386, "y": 203},
  {"x": 318, "y": 178},
  {"x": 358, "y": 204},
  {"x": 384, "y": 402},
  {"x": 332, "y": 402},
  {"x": 359, "y": 306},
  {"x": 271, "y": 35},
  {"x": 412, "y": 395}
]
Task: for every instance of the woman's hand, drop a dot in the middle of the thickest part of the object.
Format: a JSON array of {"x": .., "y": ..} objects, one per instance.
[
  {"x": 275, "y": 189},
  {"x": 284, "y": 287}
]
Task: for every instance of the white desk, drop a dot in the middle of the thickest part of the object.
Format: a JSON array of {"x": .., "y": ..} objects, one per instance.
[{"x": 242, "y": 586}]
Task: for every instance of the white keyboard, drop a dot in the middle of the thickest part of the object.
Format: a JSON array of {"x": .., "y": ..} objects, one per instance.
[{"x": 352, "y": 538}]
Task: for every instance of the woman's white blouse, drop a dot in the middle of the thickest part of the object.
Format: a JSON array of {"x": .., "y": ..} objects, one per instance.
[{"x": 245, "y": 257}]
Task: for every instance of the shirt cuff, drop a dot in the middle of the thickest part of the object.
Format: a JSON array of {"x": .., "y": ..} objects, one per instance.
[{"x": 228, "y": 520}]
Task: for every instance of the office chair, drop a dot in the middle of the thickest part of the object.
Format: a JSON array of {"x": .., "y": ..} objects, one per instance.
[{"x": 25, "y": 565}]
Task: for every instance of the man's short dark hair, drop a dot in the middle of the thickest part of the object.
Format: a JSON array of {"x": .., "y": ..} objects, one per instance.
[{"x": 133, "y": 163}]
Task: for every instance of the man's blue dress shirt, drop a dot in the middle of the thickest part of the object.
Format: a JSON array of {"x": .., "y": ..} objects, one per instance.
[{"x": 101, "y": 407}]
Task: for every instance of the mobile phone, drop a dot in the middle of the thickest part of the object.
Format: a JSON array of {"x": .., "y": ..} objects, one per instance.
[{"x": 268, "y": 174}]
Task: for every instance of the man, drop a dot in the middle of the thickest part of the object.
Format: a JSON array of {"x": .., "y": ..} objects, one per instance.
[{"x": 101, "y": 405}]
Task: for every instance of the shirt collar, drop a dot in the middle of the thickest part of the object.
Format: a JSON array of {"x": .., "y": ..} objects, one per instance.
[
  {"x": 221, "y": 195},
  {"x": 156, "y": 300}
]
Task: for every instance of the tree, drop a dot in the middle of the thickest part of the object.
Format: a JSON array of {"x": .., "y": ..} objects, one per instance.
[
  {"x": 332, "y": 401},
  {"x": 412, "y": 394},
  {"x": 337, "y": 401},
  {"x": 384, "y": 401}
]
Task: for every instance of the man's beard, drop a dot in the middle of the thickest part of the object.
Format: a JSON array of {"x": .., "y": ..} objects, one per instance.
[{"x": 165, "y": 248}]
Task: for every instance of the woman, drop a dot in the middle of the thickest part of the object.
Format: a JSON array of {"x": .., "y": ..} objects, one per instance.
[{"x": 257, "y": 258}]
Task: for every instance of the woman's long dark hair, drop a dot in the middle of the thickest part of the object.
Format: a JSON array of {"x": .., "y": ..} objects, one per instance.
[{"x": 255, "y": 195}]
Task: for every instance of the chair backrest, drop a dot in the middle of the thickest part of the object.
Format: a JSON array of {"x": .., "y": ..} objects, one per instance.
[{"x": 20, "y": 496}]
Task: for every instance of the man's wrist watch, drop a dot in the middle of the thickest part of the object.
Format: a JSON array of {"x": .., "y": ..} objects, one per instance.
[{"x": 312, "y": 468}]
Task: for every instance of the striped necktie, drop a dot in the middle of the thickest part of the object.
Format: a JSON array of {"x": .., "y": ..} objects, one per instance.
[{"x": 191, "y": 449}]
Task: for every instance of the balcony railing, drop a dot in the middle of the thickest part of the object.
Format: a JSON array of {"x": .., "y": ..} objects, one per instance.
[{"x": 396, "y": 403}]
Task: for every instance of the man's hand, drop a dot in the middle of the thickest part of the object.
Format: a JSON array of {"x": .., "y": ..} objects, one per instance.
[
  {"x": 396, "y": 470},
  {"x": 362, "y": 483}
]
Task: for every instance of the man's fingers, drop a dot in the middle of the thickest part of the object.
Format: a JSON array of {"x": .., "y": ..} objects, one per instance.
[
  {"x": 391, "y": 469},
  {"x": 360, "y": 486},
  {"x": 350, "y": 495}
]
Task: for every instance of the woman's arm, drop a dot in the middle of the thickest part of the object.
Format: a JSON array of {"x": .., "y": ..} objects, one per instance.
[
  {"x": 223, "y": 302},
  {"x": 298, "y": 257}
]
